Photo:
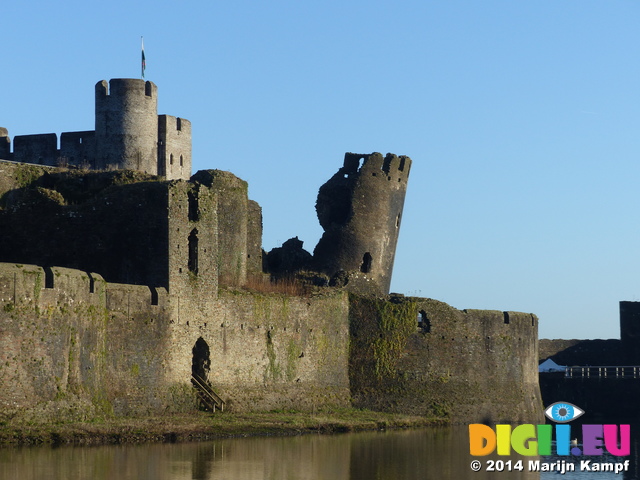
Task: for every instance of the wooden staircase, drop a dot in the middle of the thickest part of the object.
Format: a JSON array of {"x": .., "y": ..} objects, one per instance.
[{"x": 209, "y": 399}]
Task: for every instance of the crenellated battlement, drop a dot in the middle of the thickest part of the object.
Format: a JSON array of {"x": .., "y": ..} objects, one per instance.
[
  {"x": 58, "y": 288},
  {"x": 360, "y": 209},
  {"x": 393, "y": 166},
  {"x": 36, "y": 286},
  {"x": 174, "y": 146},
  {"x": 179, "y": 264},
  {"x": 125, "y": 89},
  {"x": 129, "y": 134}
]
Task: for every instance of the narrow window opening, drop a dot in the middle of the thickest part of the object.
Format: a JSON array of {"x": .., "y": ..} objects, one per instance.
[
  {"x": 193, "y": 251},
  {"x": 147, "y": 89},
  {"x": 92, "y": 284},
  {"x": 506, "y": 317},
  {"x": 48, "y": 277},
  {"x": 171, "y": 159},
  {"x": 179, "y": 123},
  {"x": 181, "y": 161},
  {"x": 401, "y": 167},
  {"x": 398, "y": 221},
  {"x": 154, "y": 295},
  {"x": 193, "y": 206},
  {"x": 366, "y": 263},
  {"x": 423, "y": 322}
]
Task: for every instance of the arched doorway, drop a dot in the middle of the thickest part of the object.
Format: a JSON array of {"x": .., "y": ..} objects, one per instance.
[
  {"x": 367, "y": 259},
  {"x": 201, "y": 361},
  {"x": 200, "y": 368}
]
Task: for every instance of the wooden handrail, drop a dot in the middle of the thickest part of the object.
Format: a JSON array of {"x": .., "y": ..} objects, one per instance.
[{"x": 203, "y": 387}]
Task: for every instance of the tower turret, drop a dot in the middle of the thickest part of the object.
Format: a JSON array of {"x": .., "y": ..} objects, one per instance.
[
  {"x": 5, "y": 144},
  {"x": 360, "y": 210},
  {"x": 127, "y": 125}
]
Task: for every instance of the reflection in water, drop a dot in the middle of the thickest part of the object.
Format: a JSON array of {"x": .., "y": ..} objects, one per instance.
[{"x": 436, "y": 453}]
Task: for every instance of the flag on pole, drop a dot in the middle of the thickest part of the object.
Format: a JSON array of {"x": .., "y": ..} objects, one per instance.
[{"x": 144, "y": 63}]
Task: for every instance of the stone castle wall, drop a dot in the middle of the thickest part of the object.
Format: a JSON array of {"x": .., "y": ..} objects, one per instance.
[
  {"x": 174, "y": 147},
  {"x": 233, "y": 204},
  {"x": 69, "y": 338},
  {"x": 129, "y": 134},
  {"x": 425, "y": 357},
  {"x": 131, "y": 227},
  {"x": 57, "y": 224},
  {"x": 174, "y": 258}
]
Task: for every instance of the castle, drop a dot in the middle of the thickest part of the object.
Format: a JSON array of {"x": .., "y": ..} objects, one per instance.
[
  {"x": 129, "y": 134},
  {"x": 128, "y": 286}
]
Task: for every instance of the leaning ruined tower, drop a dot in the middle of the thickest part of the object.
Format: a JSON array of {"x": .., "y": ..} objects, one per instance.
[
  {"x": 360, "y": 210},
  {"x": 127, "y": 125}
]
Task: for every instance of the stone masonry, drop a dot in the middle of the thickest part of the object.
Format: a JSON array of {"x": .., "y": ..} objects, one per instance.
[{"x": 122, "y": 275}]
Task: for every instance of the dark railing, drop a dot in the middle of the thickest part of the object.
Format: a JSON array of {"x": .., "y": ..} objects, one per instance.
[
  {"x": 209, "y": 398},
  {"x": 602, "y": 372}
]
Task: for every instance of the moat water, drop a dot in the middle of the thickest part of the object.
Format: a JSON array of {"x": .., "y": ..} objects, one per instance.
[{"x": 434, "y": 453}]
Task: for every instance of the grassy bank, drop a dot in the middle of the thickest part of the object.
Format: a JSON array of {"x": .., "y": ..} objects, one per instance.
[{"x": 205, "y": 426}]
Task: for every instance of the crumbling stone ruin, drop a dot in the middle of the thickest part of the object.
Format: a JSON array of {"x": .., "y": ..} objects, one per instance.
[
  {"x": 360, "y": 210},
  {"x": 127, "y": 284}
]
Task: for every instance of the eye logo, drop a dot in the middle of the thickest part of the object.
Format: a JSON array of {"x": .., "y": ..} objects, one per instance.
[{"x": 563, "y": 412}]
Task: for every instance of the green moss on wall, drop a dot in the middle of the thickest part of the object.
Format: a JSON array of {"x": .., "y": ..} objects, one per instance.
[
  {"x": 273, "y": 371},
  {"x": 379, "y": 333},
  {"x": 37, "y": 282},
  {"x": 293, "y": 354},
  {"x": 102, "y": 404},
  {"x": 27, "y": 174}
]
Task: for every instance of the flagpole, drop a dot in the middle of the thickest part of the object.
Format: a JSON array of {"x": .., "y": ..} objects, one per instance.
[{"x": 144, "y": 63}]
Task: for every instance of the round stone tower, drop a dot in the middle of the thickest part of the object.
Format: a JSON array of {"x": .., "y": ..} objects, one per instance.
[
  {"x": 127, "y": 125},
  {"x": 360, "y": 210}
]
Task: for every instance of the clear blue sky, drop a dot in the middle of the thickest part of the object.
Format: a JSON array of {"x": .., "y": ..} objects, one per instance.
[{"x": 521, "y": 117}]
